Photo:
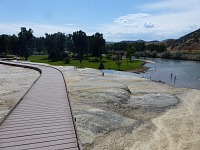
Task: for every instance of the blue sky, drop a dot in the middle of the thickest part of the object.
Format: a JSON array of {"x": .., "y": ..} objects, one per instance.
[{"x": 116, "y": 19}]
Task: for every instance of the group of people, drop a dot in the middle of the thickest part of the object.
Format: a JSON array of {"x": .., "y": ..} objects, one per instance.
[{"x": 171, "y": 77}]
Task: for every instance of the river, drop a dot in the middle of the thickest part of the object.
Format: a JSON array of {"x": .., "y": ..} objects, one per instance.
[{"x": 187, "y": 72}]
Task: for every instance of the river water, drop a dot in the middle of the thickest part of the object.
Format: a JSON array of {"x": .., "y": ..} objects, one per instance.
[{"x": 187, "y": 72}]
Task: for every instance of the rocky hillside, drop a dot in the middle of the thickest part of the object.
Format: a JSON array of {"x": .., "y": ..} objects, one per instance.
[{"x": 190, "y": 41}]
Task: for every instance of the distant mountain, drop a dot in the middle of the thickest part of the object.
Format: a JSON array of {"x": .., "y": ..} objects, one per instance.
[
  {"x": 110, "y": 42},
  {"x": 128, "y": 42},
  {"x": 141, "y": 41},
  {"x": 190, "y": 41}
]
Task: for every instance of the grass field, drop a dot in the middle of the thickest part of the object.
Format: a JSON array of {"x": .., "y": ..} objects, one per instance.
[{"x": 90, "y": 63}]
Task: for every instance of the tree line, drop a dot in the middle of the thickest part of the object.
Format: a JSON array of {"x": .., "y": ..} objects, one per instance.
[
  {"x": 137, "y": 49},
  {"x": 79, "y": 44},
  {"x": 56, "y": 45}
]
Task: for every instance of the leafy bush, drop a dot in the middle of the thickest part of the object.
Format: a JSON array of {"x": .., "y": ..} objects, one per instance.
[
  {"x": 108, "y": 56},
  {"x": 137, "y": 55},
  {"x": 166, "y": 55},
  {"x": 101, "y": 66},
  {"x": 66, "y": 60},
  {"x": 119, "y": 63},
  {"x": 64, "y": 55},
  {"x": 178, "y": 55},
  {"x": 53, "y": 55},
  {"x": 153, "y": 54},
  {"x": 197, "y": 57},
  {"x": 147, "y": 54}
]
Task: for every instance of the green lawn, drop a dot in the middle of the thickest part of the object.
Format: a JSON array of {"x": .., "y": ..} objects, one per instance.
[{"x": 108, "y": 64}]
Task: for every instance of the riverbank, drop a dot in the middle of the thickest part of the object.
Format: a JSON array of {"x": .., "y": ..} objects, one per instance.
[
  {"x": 138, "y": 70},
  {"x": 143, "y": 68}
]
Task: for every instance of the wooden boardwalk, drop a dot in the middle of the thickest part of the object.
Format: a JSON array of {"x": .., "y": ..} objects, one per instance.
[{"x": 42, "y": 120}]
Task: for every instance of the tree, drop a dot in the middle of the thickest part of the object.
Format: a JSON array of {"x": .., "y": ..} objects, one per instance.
[
  {"x": 118, "y": 61},
  {"x": 53, "y": 55},
  {"x": 56, "y": 41},
  {"x": 69, "y": 43},
  {"x": 97, "y": 45},
  {"x": 130, "y": 52},
  {"x": 139, "y": 46},
  {"x": 25, "y": 39},
  {"x": 40, "y": 44},
  {"x": 4, "y": 42},
  {"x": 14, "y": 44},
  {"x": 80, "y": 44},
  {"x": 120, "y": 46}
]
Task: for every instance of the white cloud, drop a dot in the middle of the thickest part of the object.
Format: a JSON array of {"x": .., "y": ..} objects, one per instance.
[
  {"x": 148, "y": 25},
  {"x": 162, "y": 20},
  {"x": 128, "y": 19}
]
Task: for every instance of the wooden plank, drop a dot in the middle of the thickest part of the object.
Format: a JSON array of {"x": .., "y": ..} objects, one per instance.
[
  {"x": 37, "y": 136},
  {"x": 61, "y": 143},
  {"x": 42, "y": 125},
  {"x": 40, "y": 140}
]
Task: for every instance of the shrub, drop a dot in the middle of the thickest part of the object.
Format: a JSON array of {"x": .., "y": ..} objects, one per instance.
[
  {"x": 119, "y": 63},
  {"x": 101, "y": 66},
  {"x": 108, "y": 56},
  {"x": 137, "y": 55},
  {"x": 147, "y": 54},
  {"x": 64, "y": 55},
  {"x": 53, "y": 55},
  {"x": 178, "y": 55},
  {"x": 166, "y": 55},
  {"x": 197, "y": 57},
  {"x": 153, "y": 54},
  {"x": 66, "y": 60}
]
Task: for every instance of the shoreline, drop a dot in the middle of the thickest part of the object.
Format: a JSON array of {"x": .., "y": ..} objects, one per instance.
[
  {"x": 138, "y": 70},
  {"x": 142, "y": 69}
]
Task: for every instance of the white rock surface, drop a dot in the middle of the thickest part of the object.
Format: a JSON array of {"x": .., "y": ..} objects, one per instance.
[
  {"x": 122, "y": 112},
  {"x": 14, "y": 82}
]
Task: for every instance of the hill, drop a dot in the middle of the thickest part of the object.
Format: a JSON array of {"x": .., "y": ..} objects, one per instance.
[
  {"x": 141, "y": 41},
  {"x": 190, "y": 41}
]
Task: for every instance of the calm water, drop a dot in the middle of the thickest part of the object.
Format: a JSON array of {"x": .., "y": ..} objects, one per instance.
[{"x": 187, "y": 72}]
